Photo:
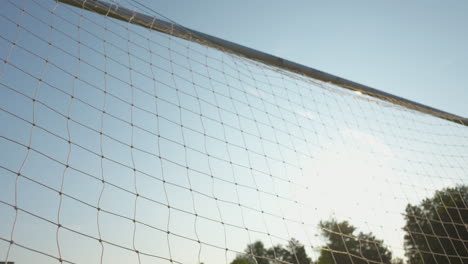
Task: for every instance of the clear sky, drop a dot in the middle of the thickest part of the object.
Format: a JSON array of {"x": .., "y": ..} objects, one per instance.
[
  {"x": 118, "y": 141},
  {"x": 414, "y": 49}
]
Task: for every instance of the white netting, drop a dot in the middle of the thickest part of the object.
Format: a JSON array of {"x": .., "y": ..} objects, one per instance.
[{"x": 124, "y": 145}]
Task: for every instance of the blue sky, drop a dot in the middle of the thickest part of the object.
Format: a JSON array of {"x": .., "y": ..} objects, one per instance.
[
  {"x": 152, "y": 143},
  {"x": 414, "y": 49}
]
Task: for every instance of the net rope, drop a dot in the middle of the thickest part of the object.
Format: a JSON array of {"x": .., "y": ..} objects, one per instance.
[{"x": 125, "y": 145}]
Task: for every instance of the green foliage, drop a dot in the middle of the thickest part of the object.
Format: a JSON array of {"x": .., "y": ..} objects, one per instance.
[
  {"x": 436, "y": 229},
  {"x": 259, "y": 251},
  {"x": 436, "y": 232},
  {"x": 345, "y": 247},
  {"x": 240, "y": 260},
  {"x": 256, "y": 253},
  {"x": 294, "y": 252}
]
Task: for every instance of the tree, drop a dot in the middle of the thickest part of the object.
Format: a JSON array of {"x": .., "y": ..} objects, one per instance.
[
  {"x": 344, "y": 247},
  {"x": 298, "y": 252},
  {"x": 255, "y": 253},
  {"x": 436, "y": 229},
  {"x": 240, "y": 260},
  {"x": 294, "y": 253}
]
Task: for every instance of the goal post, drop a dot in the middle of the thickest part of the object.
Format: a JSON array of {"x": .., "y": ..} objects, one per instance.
[{"x": 153, "y": 23}]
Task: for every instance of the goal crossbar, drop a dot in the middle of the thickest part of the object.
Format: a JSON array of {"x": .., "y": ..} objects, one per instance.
[{"x": 153, "y": 23}]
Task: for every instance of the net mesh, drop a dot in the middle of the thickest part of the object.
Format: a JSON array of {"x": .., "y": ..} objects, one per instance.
[{"x": 125, "y": 145}]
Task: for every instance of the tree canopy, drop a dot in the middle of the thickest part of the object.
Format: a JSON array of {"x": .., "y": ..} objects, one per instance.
[
  {"x": 345, "y": 247},
  {"x": 256, "y": 253},
  {"x": 437, "y": 230}
]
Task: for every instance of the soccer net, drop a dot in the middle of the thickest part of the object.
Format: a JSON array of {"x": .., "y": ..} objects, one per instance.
[{"x": 120, "y": 144}]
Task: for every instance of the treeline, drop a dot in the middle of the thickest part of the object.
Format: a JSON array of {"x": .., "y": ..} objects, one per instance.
[{"x": 436, "y": 231}]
